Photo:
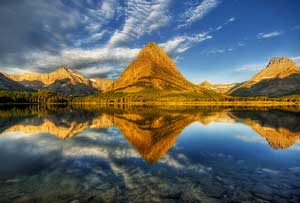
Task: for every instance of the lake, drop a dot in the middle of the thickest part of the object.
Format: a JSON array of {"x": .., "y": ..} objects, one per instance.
[{"x": 147, "y": 154}]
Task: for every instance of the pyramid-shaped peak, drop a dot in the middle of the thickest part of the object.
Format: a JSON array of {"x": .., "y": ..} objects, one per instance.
[
  {"x": 152, "y": 50},
  {"x": 152, "y": 45},
  {"x": 152, "y": 69}
]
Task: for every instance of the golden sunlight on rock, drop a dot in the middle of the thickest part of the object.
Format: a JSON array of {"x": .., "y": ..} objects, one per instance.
[
  {"x": 280, "y": 138},
  {"x": 48, "y": 126},
  {"x": 152, "y": 138}
]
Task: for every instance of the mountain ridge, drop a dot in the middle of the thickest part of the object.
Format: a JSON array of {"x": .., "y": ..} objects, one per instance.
[
  {"x": 280, "y": 77},
  {"x": 219, "y": 88},
  {"x": 63, "y": 80},
  {"x": 8, "y": 84}
]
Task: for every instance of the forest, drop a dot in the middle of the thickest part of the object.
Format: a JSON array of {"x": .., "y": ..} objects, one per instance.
[{"x": 145, "y": 98}]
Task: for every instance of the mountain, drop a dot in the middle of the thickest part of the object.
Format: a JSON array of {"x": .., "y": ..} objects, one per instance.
[
  {"x": 280, "y": 77},
  {"x": 11, "y": 85},
  {"x": 152, "y": 69},
  {"x": 152, "y": 135},
  {"x": 220, "y": 88},
  {"x": 280, "y": 128},
  {"x": 64, "y": 81},
  {"x": 63, "y": 125},
  {"x": 101, "y": 83}
]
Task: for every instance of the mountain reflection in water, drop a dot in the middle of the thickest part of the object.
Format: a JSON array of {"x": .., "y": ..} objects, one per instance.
[
  {"x": 153, "y": 131},
  {"x": 93, "y": 132}
]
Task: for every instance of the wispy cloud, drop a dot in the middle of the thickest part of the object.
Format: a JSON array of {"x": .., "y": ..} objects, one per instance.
[
  {"x": 83, "y": 60},
  {"x": 296, "y": 27},
  {"x": 180, "y": 44},
  {"x": 106, "y": 60},
  {"x": 251, "y": 67},
  {"x": 231, "y": 19},
  {"x": 241, "y": 44},
  {"x": 141, "y": 17},
  {"x": 219, "y": 27},
  {"x": 98, "y": 71},
  {"x": 98, "y": 14},
  {"x": 91, "y": 39},
  {"x": 197, "y": 12},
  {"x": 268, "y": 35}
]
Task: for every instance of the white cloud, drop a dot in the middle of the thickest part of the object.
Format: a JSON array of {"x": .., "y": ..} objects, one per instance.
[
  {"x": 78, "y": 58},
  {"x": 95, "y": 19},
  {"x": 296, "y": 59},
  {"x": 92, "y": 39},
  {"x": 95, "y": 70},
  {"x": 269, "y": 35},
  {"x": 182, "y": 43},
  {"x": 219, "y": 27},
  {"x": 97, "y": 16},
  {"x": 241, "y": 44},
  {"x": 141, "y": 17},
  {"x": 231, "y": 19},
  {"x": 105, "y": 60},
  {"x": 197, "y": 13}
]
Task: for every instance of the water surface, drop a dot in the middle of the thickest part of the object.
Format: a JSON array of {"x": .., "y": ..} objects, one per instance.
[{"x": 63, "y": 154}]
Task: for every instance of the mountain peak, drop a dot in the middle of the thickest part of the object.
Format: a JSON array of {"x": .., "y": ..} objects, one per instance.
[
  {"x": 152, "y": 51},
  {"x": 281, "y": 61},
  {"x": 279, "y": 67},
  {"x": 152, "y": 45},
  {"x": 280, "y": 77},
  {"x": 153, "y": 68}
]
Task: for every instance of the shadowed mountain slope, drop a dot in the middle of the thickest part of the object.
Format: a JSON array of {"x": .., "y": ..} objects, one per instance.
[
  {"x": 8, "y": 84},
  {"x": 281, "y": 77}
]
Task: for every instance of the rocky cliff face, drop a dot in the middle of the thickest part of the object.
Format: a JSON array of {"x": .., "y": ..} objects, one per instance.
[
  {"x": 277, "y": 68},
  {"x": 64, "y": 81},
  {"x": 152, "y": 69},
  {"x": 280, "y": 77}
]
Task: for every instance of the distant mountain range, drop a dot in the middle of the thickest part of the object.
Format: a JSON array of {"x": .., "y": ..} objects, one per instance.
[
  {"x": 8, "y": 84},
  {"x": 154, "y": 70},
  {"x": 64, "y": 81},
  {"x": 281, "y": 77},
  {"x": 220, "y": 88}
]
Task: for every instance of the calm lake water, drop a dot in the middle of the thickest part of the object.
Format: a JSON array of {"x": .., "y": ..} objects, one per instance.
[{"x": 62, "y": 154}]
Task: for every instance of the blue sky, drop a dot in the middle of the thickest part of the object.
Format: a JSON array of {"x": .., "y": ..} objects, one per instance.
[{"x": 221, "y": 41}]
